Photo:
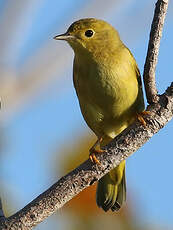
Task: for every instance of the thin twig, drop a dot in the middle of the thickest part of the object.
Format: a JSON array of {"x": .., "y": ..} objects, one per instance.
[{"x": 153, "y": 51}]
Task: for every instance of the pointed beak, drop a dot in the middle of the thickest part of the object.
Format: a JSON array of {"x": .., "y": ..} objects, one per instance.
[{"x": 65, "y": 37}]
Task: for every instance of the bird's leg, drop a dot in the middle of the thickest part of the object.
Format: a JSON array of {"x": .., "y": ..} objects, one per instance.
[
  {"x": 94, "y": 151},
  {"x": 140, "y": 117}
]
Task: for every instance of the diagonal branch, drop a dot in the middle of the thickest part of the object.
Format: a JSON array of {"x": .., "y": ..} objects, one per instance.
[
  {"x": 119, "y": 149},
  {"x": 153, "y": 51},
  {"x": 87, "y": 173}
]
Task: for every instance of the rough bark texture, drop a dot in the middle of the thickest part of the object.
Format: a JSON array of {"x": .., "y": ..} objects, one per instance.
[
  {"x": 153, "y": 51},
  {"x": 119, "y": 149}
]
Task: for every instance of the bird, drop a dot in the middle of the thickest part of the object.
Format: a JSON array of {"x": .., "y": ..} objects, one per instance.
[{"x": 109, "y": 89}]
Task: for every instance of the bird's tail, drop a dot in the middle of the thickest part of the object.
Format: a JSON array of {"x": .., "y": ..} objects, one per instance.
[{"x": 111, "y": 189}]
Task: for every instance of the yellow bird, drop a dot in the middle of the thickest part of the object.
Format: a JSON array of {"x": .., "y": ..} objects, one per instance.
[{"x": 108, "y": 85}]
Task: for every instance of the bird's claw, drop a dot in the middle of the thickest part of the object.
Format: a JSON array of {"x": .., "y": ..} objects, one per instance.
[
  {"x": 93, "y": 157},
  {"x": 140, "y": 117}
]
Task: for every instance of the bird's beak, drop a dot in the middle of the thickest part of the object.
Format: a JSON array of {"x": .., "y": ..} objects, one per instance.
[{"x": 65, "y": 37}]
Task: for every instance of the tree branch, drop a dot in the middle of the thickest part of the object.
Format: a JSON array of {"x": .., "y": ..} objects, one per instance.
[
  {"x": 153, "y": 51},
  {"x": 87, "y": 173},
  {"x": 119, "y": 149}
]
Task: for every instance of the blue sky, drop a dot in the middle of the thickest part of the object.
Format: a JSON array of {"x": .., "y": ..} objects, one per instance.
[{"x": 35, "y": 129}]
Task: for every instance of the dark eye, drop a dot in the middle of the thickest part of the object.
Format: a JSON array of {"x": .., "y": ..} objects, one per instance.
[{"x": 89, "y": 33}]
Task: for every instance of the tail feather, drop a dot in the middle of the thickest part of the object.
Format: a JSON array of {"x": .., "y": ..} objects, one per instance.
[
  {"x": 121, "y": 195},
  {"x": 106, "y": 193},
  {"x": 111, "y": 189}
]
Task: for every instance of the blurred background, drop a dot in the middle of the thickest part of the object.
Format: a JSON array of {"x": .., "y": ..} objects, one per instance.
[{"x": 43, "y": 134}]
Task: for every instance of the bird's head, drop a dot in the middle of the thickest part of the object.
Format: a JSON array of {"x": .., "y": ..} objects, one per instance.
[{"x": 90, "y": 35}]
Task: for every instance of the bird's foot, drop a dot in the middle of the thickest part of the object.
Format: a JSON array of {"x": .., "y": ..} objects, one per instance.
[
  {"x": 141, "y": 118},
  {"x": 93, "y": 151},
  {"x": 93, "y": 157}
]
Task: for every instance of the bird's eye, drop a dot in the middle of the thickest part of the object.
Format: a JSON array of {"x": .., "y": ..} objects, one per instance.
[{"x": 89, "y": 33}]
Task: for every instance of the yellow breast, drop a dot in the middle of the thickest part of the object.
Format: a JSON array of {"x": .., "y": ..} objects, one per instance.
[{"x": 109, "y": 94}]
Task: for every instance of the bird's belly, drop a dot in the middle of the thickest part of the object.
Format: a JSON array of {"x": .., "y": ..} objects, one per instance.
[
  {"x": 106, "y": 101},
  {"x": 107, "y": 119}
]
